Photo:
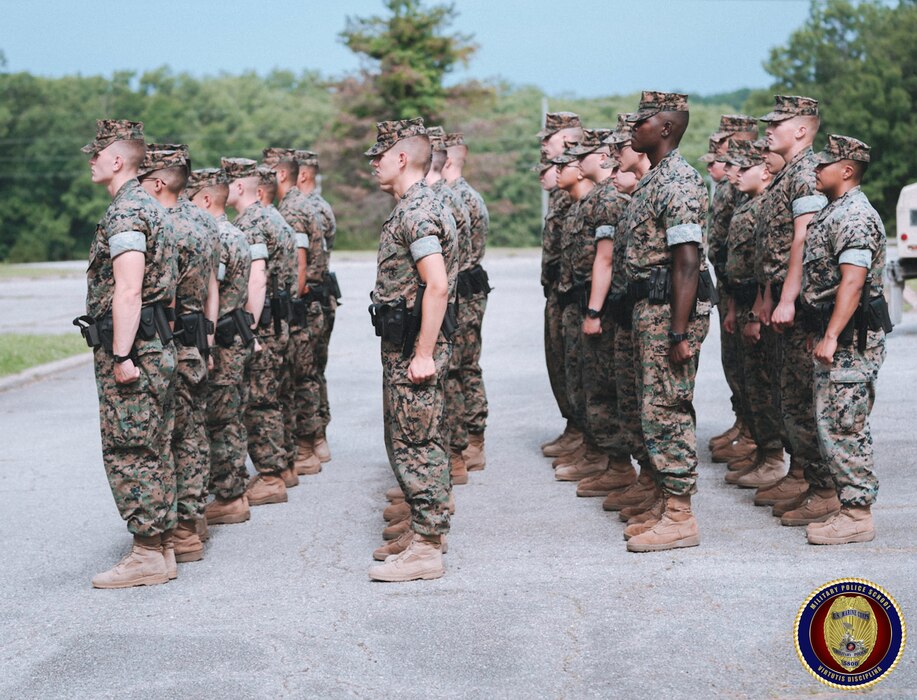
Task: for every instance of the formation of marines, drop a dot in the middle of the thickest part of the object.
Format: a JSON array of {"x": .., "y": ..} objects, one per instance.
[
  {"x": 211, "y": 339},
  {"x": 798, "y": 254}
]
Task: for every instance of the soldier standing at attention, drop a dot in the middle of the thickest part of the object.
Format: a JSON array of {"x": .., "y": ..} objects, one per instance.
[
  {"x": 328, "y": 291},
  {"x": 559, "y": 128},
  {"x": 666, "y": 218},
  {"x": 473, "y": 306},
  {"x": 417, "y": 253},
  {"x": 227, "y": 384},
  {"x": 842, "y": 292},
  {"x": 164, "y": 174},
  {"x": 130, "y": 283},
  {"x": 790, "y": 203},
  {"x": 263, "y": 416}
]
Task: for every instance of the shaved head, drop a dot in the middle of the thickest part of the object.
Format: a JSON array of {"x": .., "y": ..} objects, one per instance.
[
  {"x": 174, "y": 178},
  {"x": 218, "y": 193},
  {"x": 131, "y": 152},
  {"x": 290, "y": 167},
  {"x": 418, "y": 151}
]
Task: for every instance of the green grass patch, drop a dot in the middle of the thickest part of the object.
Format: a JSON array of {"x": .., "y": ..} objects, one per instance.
[
  {"x": 20, "y": 351},
  {"x": 9, "y": 271}
]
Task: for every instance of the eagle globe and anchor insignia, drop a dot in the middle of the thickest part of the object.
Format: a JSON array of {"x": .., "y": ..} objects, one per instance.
[{"x": 850, "y": 634}]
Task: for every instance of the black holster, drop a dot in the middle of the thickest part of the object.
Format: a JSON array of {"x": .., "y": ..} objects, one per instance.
[
  {"x": 330, "y": 282},
  {"x": 616, "y": 304},
  {"x": 299, "y": 311},
  {"x": 744, "y": 293},
  {"x": 236, "y": 322},
  {"x": 154, "y": 321},
  {"x": 389, "y": 320},
  {"x": 192, "y": 330},
  {"x": 870, "y": 315}
]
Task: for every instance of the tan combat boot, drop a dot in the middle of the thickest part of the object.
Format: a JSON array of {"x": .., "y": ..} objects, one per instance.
[
  {"x": 820, "y": 505},
  {"x": 726, "y": 436},
  {"x": 644, "y": 521},
  {"x": 394, "y": 494},
  {"x": 767, "y": 472},
  {"x": 625, "y": 514},
  {"x": 143, "y": 566},
  {"x": 223, "y": 512},
  {"x": 790, "y": 486},
  {"x": 474, "y": 453},
  {"x": 568, "y": 458},
  {"x": 740, "y": 447},
  {"x": 188, "y": 546},
  {"x": 168, "y": 555},
  {"x": 633, "y": 495},
  {"x": 266, "y": 488},
  {"x": 396, "y": 546},
  {"x": 744, "y": 463},
  {"x": 619, "y": 475},
  {"x": 395, "y": 530},
  {"x": 202, "y": 530},
  {"x": 423, "y": 559},
  {"x": 568, "y": 441},
  {"x": 290, "y": 478},
  {"x": 307, "y": 462},
  {"x": 850, "y": 524},
  {"x": 677, "y": 528},
  {"x": 457, "y": 468},
  {"x": 732, "y": 476},
  {"x": 593, "y": 463},
  {"x": 396, "y": 511},
  {"x": 780, "y": 508},
  {"x": 321, "y": 448}
]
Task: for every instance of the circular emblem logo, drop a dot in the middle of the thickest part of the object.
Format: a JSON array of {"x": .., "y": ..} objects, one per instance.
[{"x": 850, "y": 634}]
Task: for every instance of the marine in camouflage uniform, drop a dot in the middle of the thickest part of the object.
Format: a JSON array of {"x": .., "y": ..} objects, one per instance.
[
  {"x": 163, "y": 174},
  {"x": 227, "y": 385},
  {"x": 791, "y": 195},
  {"x": 417, "y": 229},
  {"x": 667, "y": 210},
  {"x": 264, "y": 420},
  {"x": 847, "y": 233},
  {"x": 471, "y": 312},
  {"x": 133, "y": 416}
]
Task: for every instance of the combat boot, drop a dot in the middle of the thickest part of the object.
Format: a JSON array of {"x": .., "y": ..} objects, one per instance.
[
  {"x": 395, "y": 530},
  {"x": 307, "y": 462},
  {"x": 593, "y": 463},
  {"x": 819, "y": 505},
  {"x": 442, "y": 538},
  {"x": 780, "y": 508},
  {"x": 734, "y": 450},
  {"x": 725, "y": 437},
  {"x": 457, "y": 468},
  {"x": 188, "y": 546},
  {"x": 202, "y": 530},
  {"x": 266, "y": 488},
  {"x": 741, "y": 464},
  {"x": 168, "y": 555},
  {"x": 474, "y": 453},
  {"x": 394, "y": 494},
  {"x": 790, "y": 486},
  {"x": 290, "y": 479},
  {"x": 850, "y": 524},
  {"x": 321, "y": 448},
  {"x": 644, "y": 521},
  {"x": 396, "y": 512},
  {"x": 568, "y": 441},
  {"x": 568, "y": 458},
  {"x": 767, "y": 472},
  {"x": 731, "y": 477},
  {"x": 223, "y": 512},
  {"x": 620, "y": 474},
  {"x": 423, "y": 559},
  {"x": 625, "y": 514},
  {"x": 396, "y": 546},
  {"x": 633, "y": 495},
  {"x": 144, "y": 565},
  {"x": 677, "y": 528}
]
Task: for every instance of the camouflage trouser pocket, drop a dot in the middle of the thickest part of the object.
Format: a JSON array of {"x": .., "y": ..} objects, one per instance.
[
  {"x": 132, "y": 415},
  {"x": 416, "y": 412},
  {"x": 849, "y": 398},
  {"x": 192, "y": 368},
  {"x": 670, "y": 385}
]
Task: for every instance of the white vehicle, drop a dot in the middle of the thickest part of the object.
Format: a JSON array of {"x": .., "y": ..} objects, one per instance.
[{"x": 905, "y": 266}]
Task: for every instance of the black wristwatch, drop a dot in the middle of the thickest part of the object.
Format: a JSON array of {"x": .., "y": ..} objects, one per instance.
[
  {"x": 121, "y": 358},
  {"x": 592, "y": 313},
  {"x": 675, "y": 338}
]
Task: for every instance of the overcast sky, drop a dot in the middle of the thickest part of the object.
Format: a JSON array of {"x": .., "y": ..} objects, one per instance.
[{"x": 586, "y": 48}]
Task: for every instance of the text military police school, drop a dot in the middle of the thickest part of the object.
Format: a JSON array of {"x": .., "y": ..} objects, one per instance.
[{"x": 211, "y": 337}]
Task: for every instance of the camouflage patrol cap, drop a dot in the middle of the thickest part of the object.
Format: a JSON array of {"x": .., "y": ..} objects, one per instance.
[
  {"x": 239, "y": 168},
  {"x": 568, "y": 155},
  {"x": 735, "y": 124},
  {"x": 556, "y": 121},
  {"x": 842, "y": 148},
  {"x": 710, "y": 155},
  {"x": 306, "y": 158},
  {"x": 437, "y": 138},
  {"x": 390, "y": 133},
  {"x": 266, "y": 175},
  {"x": 110, "y": 130},
  {"x": 744, "y": 153},
  {"x": 160, "y": 156},
  {"x": 274, "y": 155},
  {"x": 652, "y": 102},
  {"x": 789, "y": 106},
  {"x": 592, "y": 141},
  {"x": 454, "y": 139},
  {"x": 201, "y": 179},
  {"x": 622, "y": 132}
]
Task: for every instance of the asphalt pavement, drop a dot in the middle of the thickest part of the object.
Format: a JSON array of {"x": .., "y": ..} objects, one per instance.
[{"x": 540, "y": 598}]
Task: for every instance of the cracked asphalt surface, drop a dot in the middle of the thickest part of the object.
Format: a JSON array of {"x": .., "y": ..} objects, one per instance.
[{"x": 540, "y": 598}]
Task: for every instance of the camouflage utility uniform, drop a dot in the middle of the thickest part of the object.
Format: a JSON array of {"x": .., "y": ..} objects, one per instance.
[
  {"x": 134, "y": 418},
  {"x": 327, "y": 227},
  {"x": 559, "y": 202}
]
